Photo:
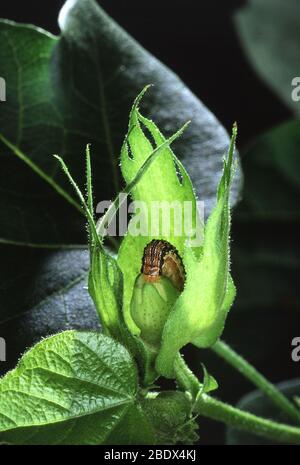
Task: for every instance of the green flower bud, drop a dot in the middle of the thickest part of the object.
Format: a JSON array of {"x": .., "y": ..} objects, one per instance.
[{"x": 150, "y": 306}]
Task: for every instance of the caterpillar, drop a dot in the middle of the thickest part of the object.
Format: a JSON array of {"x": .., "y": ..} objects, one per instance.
[{"x": 160, "y": 258}]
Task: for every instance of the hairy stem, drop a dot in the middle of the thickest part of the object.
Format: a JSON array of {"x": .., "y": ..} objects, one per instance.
[
  {"x": 185, "y": 378},
  {"x": 249, "y": 372},
  {"x": 232, "y": 416}
]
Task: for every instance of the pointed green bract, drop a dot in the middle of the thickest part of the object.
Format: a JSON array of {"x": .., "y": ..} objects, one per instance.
[
  {"x": 161, "y": 184},
  {"x": 209, "y": 382},
  {"x": 200, "y": 312},
  {"x": 105, "y": 277}
]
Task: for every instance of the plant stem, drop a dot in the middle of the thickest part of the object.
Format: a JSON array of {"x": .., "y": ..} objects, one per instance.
[
  {"x": 249, "y": 372},
  {"x": 217, "y": 410},
  {"x": 220, "y": 411},
  {"x": 185, "y": 378}
]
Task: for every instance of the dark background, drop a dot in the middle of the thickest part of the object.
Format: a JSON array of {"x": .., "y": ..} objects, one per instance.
[{"x": 198, "y": 41}]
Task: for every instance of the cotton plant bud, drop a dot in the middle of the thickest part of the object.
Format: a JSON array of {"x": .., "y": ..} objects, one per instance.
[{"x": 156, "y": 289}]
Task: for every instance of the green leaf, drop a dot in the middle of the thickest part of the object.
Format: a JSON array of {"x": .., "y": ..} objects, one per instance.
[
  {"x": 64, "y": 92},
  {"x": 209, "y": 382},
  {"x": 200, "y": 312},
  {"x": 170, "y": 415},
  {"x": 269, "y": 31},
  {"x": 73, "y": 388},
  {"x": 32, "y": 213},
  {"x": 257, "y": 403}
]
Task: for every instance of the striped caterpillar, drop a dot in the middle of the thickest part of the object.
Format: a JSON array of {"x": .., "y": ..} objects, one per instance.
[{"x": 162, "y": 259}]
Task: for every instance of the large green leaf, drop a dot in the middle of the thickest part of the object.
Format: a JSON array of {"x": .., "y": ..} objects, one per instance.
[
  {"x": 270, "y": 34},
  {"x": 65, "y": 92},
  {"x": 31, "y": 212},
  {"x": 73, "y": 388}
]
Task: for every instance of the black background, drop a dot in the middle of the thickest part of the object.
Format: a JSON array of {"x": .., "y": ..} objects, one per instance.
[{"x": 198, "y": 41}]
